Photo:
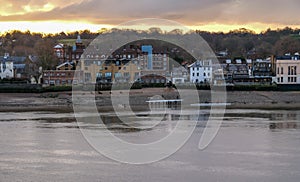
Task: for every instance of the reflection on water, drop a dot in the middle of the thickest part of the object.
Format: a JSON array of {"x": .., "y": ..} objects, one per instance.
[
  {"x": 285, "y": 116},
  {"x": 279, "y": 119},
  {"x": 284, "y": 125},
  {"x": 252, "y": 145}
]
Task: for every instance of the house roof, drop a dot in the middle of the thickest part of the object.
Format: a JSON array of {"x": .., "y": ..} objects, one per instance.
[
  {"x": 249, "y": 61},
  {"x": 196, "y": 64},
  {"x": 288, "y": 57},
  {"x": 14, "y": 59},
  {"x": 19, "y": 66},
  {"x": 58, "y": 46},
  {"x": 228, "y": 61},
  {"x": 64, "y": 64}
]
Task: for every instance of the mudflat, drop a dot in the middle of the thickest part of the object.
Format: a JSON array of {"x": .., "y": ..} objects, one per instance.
[{"x": 62, "y": 101}]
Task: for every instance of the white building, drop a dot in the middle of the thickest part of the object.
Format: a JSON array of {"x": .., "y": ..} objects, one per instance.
[
  {"x": 7, "y": 70},
  {"x": 201, "y": 71},
  {"x": 288, "y": 70}
]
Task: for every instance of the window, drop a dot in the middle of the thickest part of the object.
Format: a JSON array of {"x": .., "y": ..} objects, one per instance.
[
  {"x": 277, "y": 70},
  {"x": 118, "y": 75},
  {"x": 136, "y": 75},
  {"x": 108, "y": 74},
  {"x": 126, "y": 74},
  {"x": 204, "y": 74},
  {"x": 281, "y": 70},
  {"x": 281, "y": 79},
  {"x": 292, "y": 70},
  {"x": 278, "y": 80},
  {"x": 289, "y": 79},
  {"x": 197, "y": 74},
  {"x": 98, "y": 75},
  {"x": 295, "y": 79},
  {"x": 87, "y": 76}
]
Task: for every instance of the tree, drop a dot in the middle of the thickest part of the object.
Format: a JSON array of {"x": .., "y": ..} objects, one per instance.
[
  {"x": 44, "y": 51},
  {"x": 287, "y": 44}
]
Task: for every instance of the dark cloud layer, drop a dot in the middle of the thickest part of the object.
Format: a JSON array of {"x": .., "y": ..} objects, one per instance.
[{"x": 191, "y": 12}]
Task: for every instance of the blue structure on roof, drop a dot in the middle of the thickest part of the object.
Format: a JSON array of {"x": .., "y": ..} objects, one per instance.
[{"x": 148, "y": 49}]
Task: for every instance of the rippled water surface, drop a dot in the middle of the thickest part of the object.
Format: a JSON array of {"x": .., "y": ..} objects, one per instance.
[{"x": 252, "y": 145}]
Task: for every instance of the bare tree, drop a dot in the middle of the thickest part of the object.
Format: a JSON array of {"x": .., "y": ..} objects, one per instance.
[{"x": 44, "y": 51}]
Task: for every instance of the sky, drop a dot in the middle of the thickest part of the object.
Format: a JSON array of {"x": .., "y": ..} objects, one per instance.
[{"x": 51, "y": 16}]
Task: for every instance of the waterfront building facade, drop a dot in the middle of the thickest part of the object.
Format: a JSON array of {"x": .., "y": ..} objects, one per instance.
[
  {"x": 201, "y": 71},
  {"x": 288, "y": 70}
]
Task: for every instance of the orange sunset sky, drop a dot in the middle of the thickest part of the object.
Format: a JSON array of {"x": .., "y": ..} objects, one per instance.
[{"x": 51, "y": 16}]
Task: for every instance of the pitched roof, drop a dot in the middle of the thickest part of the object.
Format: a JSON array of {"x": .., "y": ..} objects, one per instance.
[
  {"x": 58, "y": 46},
  {"x": 196, "y": 64},
  {"x": 14, "y": 59},
  {"x": 64, "y": 64}
]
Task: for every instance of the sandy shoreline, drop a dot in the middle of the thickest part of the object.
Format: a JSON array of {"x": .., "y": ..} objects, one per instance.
[{"x": 62, "y": 101}]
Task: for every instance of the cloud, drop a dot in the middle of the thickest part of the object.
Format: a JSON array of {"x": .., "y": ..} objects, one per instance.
[
  {"x": 9, "y": 8},
  {"x": 190, "y": 12}
]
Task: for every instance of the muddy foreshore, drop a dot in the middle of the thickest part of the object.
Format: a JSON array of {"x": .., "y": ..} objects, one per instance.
[{"x": 62, "y": 101}]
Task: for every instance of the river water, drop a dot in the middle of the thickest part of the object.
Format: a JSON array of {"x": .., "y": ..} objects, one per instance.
[{"x": 251, "y": 145}]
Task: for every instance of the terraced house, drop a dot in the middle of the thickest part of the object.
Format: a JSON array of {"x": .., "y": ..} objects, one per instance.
[{"x": 288, "y": 70}]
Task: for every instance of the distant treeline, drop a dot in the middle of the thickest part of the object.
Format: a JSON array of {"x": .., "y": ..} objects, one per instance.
[
  {"x": 241, "y": 42},
  {"x": 246, "y": 43}
]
